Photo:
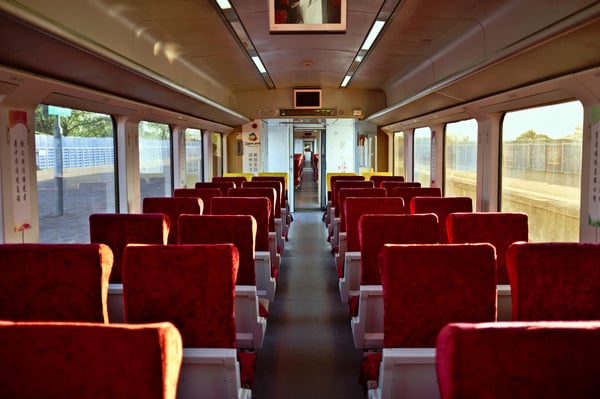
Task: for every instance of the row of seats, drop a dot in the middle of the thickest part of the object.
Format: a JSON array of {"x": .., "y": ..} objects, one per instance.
[
  {"x": 460, "y": 277},
  {"x": 204, "y": 284}
]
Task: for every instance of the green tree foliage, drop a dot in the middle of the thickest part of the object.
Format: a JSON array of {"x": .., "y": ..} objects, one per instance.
[{"x": 78, "y": 124}]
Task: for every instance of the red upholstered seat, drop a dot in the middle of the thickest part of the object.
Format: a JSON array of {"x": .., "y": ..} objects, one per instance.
[
  {"x": 191, "y": 286},
  {"x": 238, "y": 180},
  {"x": 89, "y": 360},
  {"x": 173, "y": 207},
  {"x": 498, "y": 228},
  {"x": 374, "y": 231},
  {"x": 409, "y": 192},
  {"x": 442, "y": 207},
  {"x": 54, "y": 282},
  {"x": 205, "y": 194},
  {"x": 426, "y": 287},
  {"x": 224, "y": 186},
  {"x": 519, "y": 360},
  {"x": 258, "y": 192},
  {"x": 119, "y": 229},
  {"x": 269, "y": 184},
  {"x": 554, "y": 281},
  {"x": 239, "y": 230},
  {"x": 377, "y": 179},
  {"x": 344, "y": 193},
  {"x": 342, "y": 184}
]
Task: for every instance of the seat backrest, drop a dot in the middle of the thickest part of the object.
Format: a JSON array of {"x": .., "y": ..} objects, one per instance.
[
  {"x": 390, "y": 185},
  {"x": 274, "y": 174},
  {"x": 341, "y": 184},
  {"x": 259, "y": 208},
  {"x": 280, "y": 178},
  {"x": 409, "y": 192},
  {"x": 442, "y": 207},
  {"x": 258, "y": 192},
  {"x": 269, "y": 184},
  {"x": 173, "y": 207},
  {"x": 205, "y": 194},
  {"x": 355, "y": 207},
  {"x": 333, "y": 177},
  {"x": 191, "y": 286},
  {"x": 374, "y": 231},
  {"x": 239, "y": 230},
  {"x": 238, "y": 180},
  {"x": 119, "y": 229},
  {"x": 377, "y": 179},
  {"x": 426, "y": 286},
  {"x": 498, "y": 228},
  {"x": 54, "y": 282},
  {"x": 524, "y": 360},
  {"x": 344, "y": 193},
  {"x": 89, "y": 360},
  {"x": 554, "y": 280},
  {"x": 224, "y": 186}
]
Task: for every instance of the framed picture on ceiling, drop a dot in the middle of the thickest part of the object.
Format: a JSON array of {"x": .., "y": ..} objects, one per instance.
[{"x": 307, "y": 16}]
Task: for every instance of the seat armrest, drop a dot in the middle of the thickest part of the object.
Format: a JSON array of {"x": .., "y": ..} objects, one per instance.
[{"x": 351, "y": 279}]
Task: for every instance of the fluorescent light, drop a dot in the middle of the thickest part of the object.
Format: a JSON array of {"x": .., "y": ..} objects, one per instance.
[
  {"x": 259, "y": 64},
  {"x": 224, "y": 4},
  {"x": 346, "y": 80},
  {"x": 375, "y": 29}
]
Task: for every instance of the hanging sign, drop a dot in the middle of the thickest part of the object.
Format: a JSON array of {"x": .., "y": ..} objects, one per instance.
[
  {"x": 251, "y": 140},
  {"x": 19, "y": 155}
]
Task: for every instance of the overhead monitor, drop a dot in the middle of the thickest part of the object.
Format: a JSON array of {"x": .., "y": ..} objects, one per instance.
[{"x": 307, "y": 98}]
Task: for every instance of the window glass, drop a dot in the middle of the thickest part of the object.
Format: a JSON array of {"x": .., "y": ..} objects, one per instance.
[
  {"x": 422, "y": 156},
  {"x": 460, "y": 159},
  {"x": 193, "y": 157},
  {"x": 155, "y": 160},
  {"x": 541, "y": 169},
  {"x": 75, "y": 159},
  {"x": 399, "y": 155}
]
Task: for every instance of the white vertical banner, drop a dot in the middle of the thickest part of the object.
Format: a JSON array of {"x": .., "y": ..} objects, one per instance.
[
  {"x": 251, "y": 140},
  {"x": 19, "y": 155},
  {"x": 594, "y": 201}
]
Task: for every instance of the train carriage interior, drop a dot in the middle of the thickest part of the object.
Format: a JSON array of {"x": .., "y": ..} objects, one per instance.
[{"x": 490, "y": 103}]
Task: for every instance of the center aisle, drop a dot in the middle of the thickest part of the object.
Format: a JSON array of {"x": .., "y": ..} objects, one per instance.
[{"x": 308, "y": 349}]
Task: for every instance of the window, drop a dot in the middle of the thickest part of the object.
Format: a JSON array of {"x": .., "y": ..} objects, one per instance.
[
  {"x": 460, "y": 159},
  {"x": 155, "y": 160},
  {"x": 193, "y": 157},
  {"x": 399, "y": 155},
  {"x": 422, "y": 161},
  {"x": 75, "y": 159},
  {"x": 541, "y": 169}
]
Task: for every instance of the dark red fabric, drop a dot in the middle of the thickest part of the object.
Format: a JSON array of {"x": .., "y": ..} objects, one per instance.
[
  {"x": 191, "y": 286},
  {"x": 206, "y": 194},
  {"x": 89, "y": 360},
  {"x": 239, "y": 230},
  {"x": 119, "y": 229},
  {"x": 258, "y": 192},
  {"x": 238, "y": 180},
  {"x": 377, "y": 179},
  {"x": 280, "y": 179},
  {"x": 269, "y": 184},
  {"x": 224, "y": 186},
  {"x": 519, "y": 360},
  {"x": 498, "y": 228},
  {"x": 408, "y": 193},
  {"x": 344, "y": 193},
  {"x": 554, "y": 281},
  {"x": 340, "y": 184},
  {"x": 259, "y": 208},
  {"x": 426, "y": 286},
  {"x": 173, "y": 207},
  {"x": 247, "y": 362},
  {"x": 369, "y": 368},
  {"x": 442, "y": 207},
  {"x": 375, "y": 231},
  {"x": 54, "y": 282},
  {"x": 355, "y": 207}
]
